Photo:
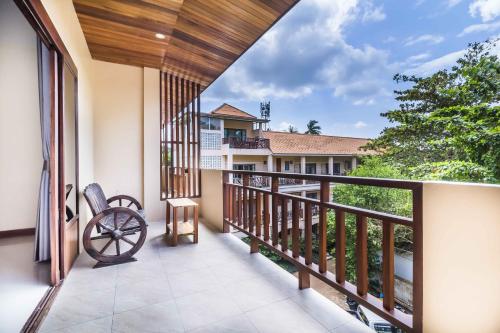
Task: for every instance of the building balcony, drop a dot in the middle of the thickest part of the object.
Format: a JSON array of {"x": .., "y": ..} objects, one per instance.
[{"x": 248, "y": 143}]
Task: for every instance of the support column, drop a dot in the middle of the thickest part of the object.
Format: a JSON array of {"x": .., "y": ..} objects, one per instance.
[
  {"x": 229, "y": 165},
  {"x": 354, "y": 163},
  {"x": 270, "y": 163},
  {"x": 303, "y": 167},
  {"x": 330, "y": 165}
]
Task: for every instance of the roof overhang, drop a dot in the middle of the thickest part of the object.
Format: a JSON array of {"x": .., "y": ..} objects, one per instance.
[{"x": 202, "y": 38}]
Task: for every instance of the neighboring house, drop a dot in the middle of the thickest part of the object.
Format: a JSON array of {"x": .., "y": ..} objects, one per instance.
[{"x": 234, "y": 139}]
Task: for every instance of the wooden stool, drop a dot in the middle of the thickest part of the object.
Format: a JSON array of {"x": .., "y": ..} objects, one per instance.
[{"x": 185, "y": 227}]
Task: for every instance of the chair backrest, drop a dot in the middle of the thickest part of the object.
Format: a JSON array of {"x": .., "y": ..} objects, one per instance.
[{"x": 95, "y": 198}]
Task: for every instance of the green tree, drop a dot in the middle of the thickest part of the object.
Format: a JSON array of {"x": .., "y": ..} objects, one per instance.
[
  {"x": 313, "y": 128},
  {"x": 392, "y": 201},
  {"x": 452, "y": 170},
  {"x": 292, "y": 129},
  {"x": 451, "y": 115}
]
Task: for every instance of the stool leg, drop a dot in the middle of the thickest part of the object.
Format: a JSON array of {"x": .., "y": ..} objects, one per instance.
[
  {"x": 186, "y": 214},
  {"x": 195, "y": 224},
  {"x": 167, "y": 231},
  {"x": 174, "y": 234}
]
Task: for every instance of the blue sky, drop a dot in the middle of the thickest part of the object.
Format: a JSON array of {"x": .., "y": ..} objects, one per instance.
[{"x": 333, "y": 60}]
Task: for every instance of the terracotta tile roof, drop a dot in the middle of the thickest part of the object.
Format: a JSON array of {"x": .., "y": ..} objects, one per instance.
[
  {"x": 306, "y": 144},
  {"x": 229, "y": 111}
]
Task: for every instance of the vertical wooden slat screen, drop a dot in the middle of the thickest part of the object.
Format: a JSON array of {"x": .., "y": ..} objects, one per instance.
[{"x": 180, "y": 137}]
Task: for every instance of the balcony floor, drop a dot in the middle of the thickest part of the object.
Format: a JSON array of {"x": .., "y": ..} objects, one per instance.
[{"x": 214, "y": 286}]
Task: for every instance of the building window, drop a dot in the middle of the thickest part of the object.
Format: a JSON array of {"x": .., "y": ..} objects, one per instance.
[
  {"x": 235, "y": 133},
  {"x": 348, "y": 165},
  {"x": 336, "y": 168},
  {"x": 311, "y": 168},
  {"x": 244, "y": 167},
  {"x": 287, "y": 165},
  {"x": 212, "y": 124},
  {"x": 211, "y": 141},
  {"x": 211, "y": 162}
]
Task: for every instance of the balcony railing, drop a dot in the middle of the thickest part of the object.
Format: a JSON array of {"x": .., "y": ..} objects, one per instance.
[
  {"x": 249, "y": 143},
  {"x": 255, "y": 212},
  {"x": 262, "y": 182}
]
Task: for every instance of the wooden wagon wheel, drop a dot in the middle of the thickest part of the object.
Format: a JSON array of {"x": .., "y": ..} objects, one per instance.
[{"x": 119, "y": 225}]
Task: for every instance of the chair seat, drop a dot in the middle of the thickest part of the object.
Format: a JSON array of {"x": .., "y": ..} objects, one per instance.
[{"x": 121, "y": 219}]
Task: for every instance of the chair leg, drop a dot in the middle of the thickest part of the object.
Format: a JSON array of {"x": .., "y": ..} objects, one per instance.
[{"x": 195, "y": 224}]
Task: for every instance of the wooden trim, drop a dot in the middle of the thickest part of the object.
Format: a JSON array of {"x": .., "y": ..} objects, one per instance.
[
  {"x": 41, "y": 310},
  {"x": 17, "y": 233}
]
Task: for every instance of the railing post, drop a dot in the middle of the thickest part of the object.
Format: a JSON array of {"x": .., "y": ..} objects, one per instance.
[
  {"x": 225, "y": 200},
  {"x": 274, "y": 219},
  {"x": 324, "y": 197}
]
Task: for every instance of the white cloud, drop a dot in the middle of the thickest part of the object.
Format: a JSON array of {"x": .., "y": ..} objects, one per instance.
[
  {"x": 427, "y": 38},
  {"x": 360, "y": 124},
  {"x": 389, "y": 39},
  {"x": 417, "y": 58},
  {"x": 307, "y": 51},
  {"x": 489, "y": 27},
  {"x": 373, "y": 14},
  {"x": 453, "y": 3},
  {"x": 434, "y": 65},
  {"x": 487, "y": 9}
]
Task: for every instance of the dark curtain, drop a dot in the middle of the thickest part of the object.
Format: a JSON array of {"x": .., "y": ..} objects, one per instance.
[{"x": 42, "y": 235}]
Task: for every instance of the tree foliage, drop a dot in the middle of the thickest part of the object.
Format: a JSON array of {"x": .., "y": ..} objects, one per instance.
[
  {"x": 451, "y": 115},
  {"x": 394, "y": 201},
  {"x": 313, "y": 127}
]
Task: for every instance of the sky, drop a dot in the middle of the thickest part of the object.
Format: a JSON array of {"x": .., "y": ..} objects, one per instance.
[{"x": 334, "y": 60}]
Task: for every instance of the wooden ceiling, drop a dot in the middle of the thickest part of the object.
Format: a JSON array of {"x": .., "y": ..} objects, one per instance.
[{"x": 203, "y": 37}]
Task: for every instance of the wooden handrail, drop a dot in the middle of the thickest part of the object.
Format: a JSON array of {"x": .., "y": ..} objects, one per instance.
[{"x": 246, "y": 206}]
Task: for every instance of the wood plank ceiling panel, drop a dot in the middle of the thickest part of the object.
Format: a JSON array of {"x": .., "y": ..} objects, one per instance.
[{"x": 203, "y": 37}]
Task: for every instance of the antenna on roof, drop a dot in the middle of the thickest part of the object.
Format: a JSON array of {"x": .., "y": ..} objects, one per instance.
[{"x": 265, "y": 112}]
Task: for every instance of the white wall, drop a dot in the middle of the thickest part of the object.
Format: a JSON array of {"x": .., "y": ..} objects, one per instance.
[
  {"x": 461, "y": 235},
  {"x": 20, "y": 140},
  {"x": 118, "y": 128}
]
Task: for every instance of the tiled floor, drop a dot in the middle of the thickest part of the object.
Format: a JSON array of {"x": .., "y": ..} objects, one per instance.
[
  {"x": 214, "y": 286},
  {"x": 23, "y": 282}
]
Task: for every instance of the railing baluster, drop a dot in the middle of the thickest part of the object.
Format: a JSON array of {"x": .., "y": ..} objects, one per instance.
[
  {"x": 258, "y": 214},
  {"x": 361, "y": 255},
  {"x": 245, "y": 201},
  {"x": 388, "y": 265},
  {"x": 284, "y": 224},
  {"x": 295, "y": 228},
  {"x": 266, "y": 217},
  {"x": 250, "y": 212},
  {"x": 235, "y": 204},
  {"x": 340, "y": 246},
  {"x": 240, "y": 206},
  {"x": 274, "y": 222},
  {"x": 308, "y": 233},
  {"x": 324, "y": 197}
]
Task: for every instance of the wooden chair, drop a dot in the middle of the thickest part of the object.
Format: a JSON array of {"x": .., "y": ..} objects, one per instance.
[{"x": 112, "y": 225}]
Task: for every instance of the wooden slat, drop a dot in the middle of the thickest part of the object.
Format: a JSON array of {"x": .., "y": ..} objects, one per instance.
[
  {"x": 308, "y": 233},
  {"x": 198, "y": 145},
  {"x": 388, "y": 265},
  {"x": 322, "y": 248},
  {"x": 361, "y": 255},
  {"x": 274, "y": 216},
  {"x": 170, "y": 98},
  {"x": 284, "y": 224},
  {"x": 340, "y": 245},
  {"x": 182, "y": 141},
  {"x": 295, "y": 228},
  {"x": 188, "y": 139},
  {"x": 266, "y": 217},
  {"x": 251, "y": 220},
  {"x": 258, "y": 213},
  {"x": 177, "y": 138}
]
